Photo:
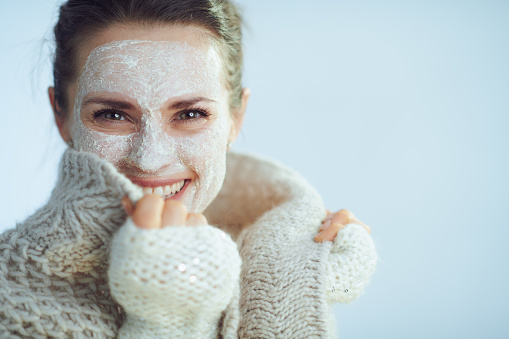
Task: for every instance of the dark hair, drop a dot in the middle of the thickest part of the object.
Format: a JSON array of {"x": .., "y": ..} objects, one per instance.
[{"x": 81, "y": 19}]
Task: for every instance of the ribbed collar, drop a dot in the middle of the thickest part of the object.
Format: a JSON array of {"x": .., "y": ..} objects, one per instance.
[{"x": 71, "y": 233}]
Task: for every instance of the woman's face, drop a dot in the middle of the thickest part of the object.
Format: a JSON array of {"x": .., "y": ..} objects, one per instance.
[{"x": 153, "y": 102}]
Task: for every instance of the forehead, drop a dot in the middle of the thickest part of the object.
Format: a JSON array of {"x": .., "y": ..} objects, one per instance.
[
  {"x": 136, "y": 56},
  {"x": 140, "y": 68}
]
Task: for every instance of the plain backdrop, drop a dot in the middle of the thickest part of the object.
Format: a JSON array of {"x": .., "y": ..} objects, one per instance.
[{"x": 396, "y": 110}]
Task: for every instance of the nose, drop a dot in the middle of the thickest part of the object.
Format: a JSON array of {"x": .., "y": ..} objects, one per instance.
[{"x": 152, "y": 150}]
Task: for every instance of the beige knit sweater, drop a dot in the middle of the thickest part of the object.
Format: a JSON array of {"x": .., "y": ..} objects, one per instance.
[{"x": 77, "y": 268}]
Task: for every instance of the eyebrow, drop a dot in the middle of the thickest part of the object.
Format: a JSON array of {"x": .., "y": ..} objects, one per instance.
[
  {"x": 190, "y": 102},
  {"x": 117, "y": 104}
]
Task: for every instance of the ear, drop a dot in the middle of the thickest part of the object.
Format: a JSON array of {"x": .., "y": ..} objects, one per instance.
[
  {"x": 60, "y": 117},
  {"x": 238, "y": 117}
]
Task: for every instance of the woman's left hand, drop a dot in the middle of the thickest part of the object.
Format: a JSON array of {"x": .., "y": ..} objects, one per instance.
[{"x": 334, "y": 222}]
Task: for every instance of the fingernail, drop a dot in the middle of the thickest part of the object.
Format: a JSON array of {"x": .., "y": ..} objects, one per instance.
[
  {"x": 325, "y": 225},
  {"x": 127, "y": 204},
  {"x": 319, "y": 237},
  {"x": 327, "y": 218}
]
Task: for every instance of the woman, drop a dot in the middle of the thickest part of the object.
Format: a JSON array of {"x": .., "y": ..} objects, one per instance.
[{"x": 148, "y": 96}]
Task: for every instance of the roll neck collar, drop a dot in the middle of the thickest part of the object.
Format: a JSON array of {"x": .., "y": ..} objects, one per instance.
[{"x": 71, "y": 233}]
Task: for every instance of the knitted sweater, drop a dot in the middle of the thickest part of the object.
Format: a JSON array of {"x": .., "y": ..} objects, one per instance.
[{"x": 77, "y": 268}]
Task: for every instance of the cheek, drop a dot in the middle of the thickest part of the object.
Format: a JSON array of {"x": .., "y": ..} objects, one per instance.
[
  {"x": 206, "y": 156},
  {"x": 113, "y": 148},
  {"x": 205, "y": 153}
]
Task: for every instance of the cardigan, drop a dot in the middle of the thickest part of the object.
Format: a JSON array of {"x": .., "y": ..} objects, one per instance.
[{"x": 79, "y": 268}]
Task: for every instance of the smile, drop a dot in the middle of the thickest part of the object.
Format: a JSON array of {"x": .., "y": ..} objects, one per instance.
[{"x": 166, "y": 191}]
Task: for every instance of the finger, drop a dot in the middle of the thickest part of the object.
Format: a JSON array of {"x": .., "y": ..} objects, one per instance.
[
  {"x": 357, "y": 221},
  {"x": 174, "y": 213},
  {"x": 341, "y": 217},
  {"x": 330, "y": 233},
  {"x": 325, "y": 225},
  {"x": 327, "y": 218},
  {"x": 196, "y": 219},
  {"x": 147, "y": 213},
  {"x": 128, "y": 205}
]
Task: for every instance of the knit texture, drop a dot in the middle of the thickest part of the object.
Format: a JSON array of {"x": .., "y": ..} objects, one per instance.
[
  {"x": 351, "y": 263},
  {"x": 287, "y": 278},
  {"x": 54, "y": 267},
  {"x": 173, "y": 282}
]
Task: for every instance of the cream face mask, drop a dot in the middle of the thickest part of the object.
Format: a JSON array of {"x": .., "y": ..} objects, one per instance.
[{"x": 158, "y": 112}]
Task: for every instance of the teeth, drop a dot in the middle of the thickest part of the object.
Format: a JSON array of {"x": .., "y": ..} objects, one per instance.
[
  {"x": 166, "y": 191},
  {"x": 175, "y": 187}
]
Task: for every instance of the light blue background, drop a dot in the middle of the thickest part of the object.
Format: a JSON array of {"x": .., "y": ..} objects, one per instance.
[{"x": 396, "y": 110}]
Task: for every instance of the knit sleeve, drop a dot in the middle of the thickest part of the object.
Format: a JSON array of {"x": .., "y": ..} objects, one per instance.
[
  {"x": 173, "y": 282},
  {"x": 352, "y": 261}
]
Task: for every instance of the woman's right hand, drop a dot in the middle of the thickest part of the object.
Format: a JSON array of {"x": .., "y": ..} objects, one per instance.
[
  {"x": 171, "y": 274},
  {"x": 152, "y": 212}
]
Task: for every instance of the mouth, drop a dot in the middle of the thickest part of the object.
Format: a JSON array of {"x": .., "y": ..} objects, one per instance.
[{"x": 167, "y": 191}]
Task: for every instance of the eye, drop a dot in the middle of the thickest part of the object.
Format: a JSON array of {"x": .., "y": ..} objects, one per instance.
[
  {"x": 110, "y": 115},
  {"x": 188, "y": 115},
  {"x": 113, "y": 116}
]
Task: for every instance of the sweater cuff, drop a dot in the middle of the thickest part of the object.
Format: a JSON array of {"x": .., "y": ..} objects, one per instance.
[
  {"x": 136, "y": 328},
  {"x": 351, "y": 264},
  {"x": 176, "y": 272}
]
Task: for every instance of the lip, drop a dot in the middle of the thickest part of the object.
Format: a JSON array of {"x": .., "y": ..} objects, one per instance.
[
  {"x": 181, "y": 192},
  {"x": 152, "y": 183},
  {"x": 162, "y": 182}
]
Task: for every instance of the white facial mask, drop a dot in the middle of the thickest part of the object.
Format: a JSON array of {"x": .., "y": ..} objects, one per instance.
[{"x": 153, "y": 72}]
